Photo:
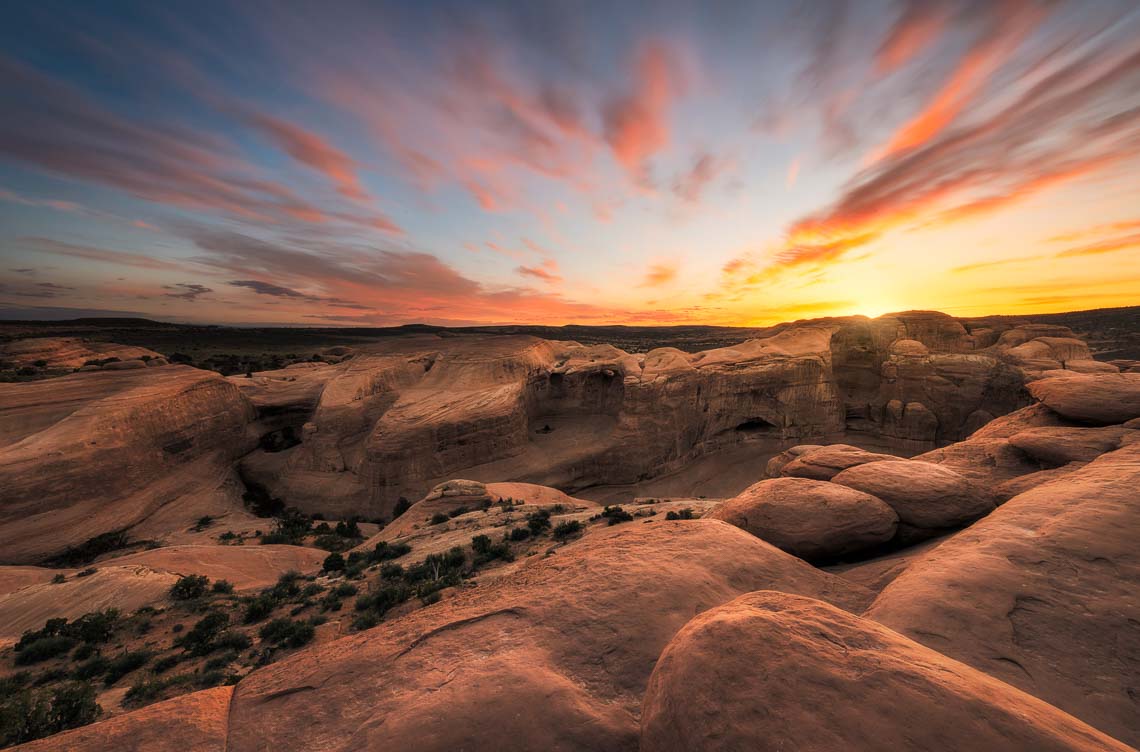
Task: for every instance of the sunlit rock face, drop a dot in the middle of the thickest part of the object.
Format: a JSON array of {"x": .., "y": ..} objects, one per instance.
[
  {"x": 399, "y": 418},
  {"x": 106, "y": 450}
]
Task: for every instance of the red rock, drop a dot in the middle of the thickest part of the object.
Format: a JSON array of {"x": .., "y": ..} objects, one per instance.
[{"x": 772, "y": 671}]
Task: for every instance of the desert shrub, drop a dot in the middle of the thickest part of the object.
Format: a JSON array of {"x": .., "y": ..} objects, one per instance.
[
  {"x": 564, "y": 530},
  {"x": 26, "y": 715},
  {"x": 486, "y": 551},
  {"x": 43, "y": 649},
  {"x": 391, "y": 570},
  {"x": 334, "y": 562},
  {"x": 59, "y": 579},
  {"x": 518, "y": 534},
  {"x": 348, "y": 529},
  {"x": 94, "y": 627},
  {"x": 86, "y": 572},
  {"x": 165, "y": 664},
  {"x": 333, "y": 543},
  {"x": 189, "y": 587},
  {"x": 684, "y": 514},
  {"x": 123, "y": 664},
  {"x": 365, "y": 621},
  {"x": 287, "y": 633},
  {"x": 259, "y": 607},
  {"x": 614, "y": 515},
  {"x": 344, "y": 590},
  {"x": 91, "y": 668},
  {"x": 90, "y": 549},
  {"x": 433, "y": 597},
  {"x": 385, "y": 551},
  {"x": 202, "y": 637},
  {"x": 203, "y": 523},
  {"x": 224, "y": 587},
  {"x": 538, "y": 521},
  {"x": 402, "y": 505},
  {"x": 83, "y": 652},
  {"x": 439, "y": 518},
  {"x": 289, "y": 526},
  {"x": 458, "y": 511}
]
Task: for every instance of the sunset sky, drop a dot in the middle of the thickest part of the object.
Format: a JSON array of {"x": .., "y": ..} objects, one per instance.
[{"x": 333, "y": 163}]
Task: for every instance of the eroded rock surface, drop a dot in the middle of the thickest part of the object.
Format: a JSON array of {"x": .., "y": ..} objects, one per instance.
[
  {"x": 811, "y": 519},
  {"x": 1044, "y": 594},
  {"x": 778, "y": 671}
]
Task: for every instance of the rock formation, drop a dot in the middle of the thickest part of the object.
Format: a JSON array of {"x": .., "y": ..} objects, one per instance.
[
  {"x": 811, "y": 519},
  {"x": 779, "y": 671}
]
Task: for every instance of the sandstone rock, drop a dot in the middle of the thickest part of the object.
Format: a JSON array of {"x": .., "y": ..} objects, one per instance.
[
  {"x": 124, "y": 365},
  {"x": 1033, "y": 416},
  {"x": 88, "y": 453},
  {"x": 1043, "y": 594},
  {"x": 245, "y": 567},
  {"x": 776, "y": 671},
  {"x": 67, "y": 352},
  {"x": 810, "y": 519},
  {"x": 1006, "y": 490},
  {"x": 195, "y": 722},
  {"x": 983, "y": 462},
  {"x": 1090, "y": 366},
  {"x": 776, "y": 465},
  {"x": 1060, "y": 446},
  {"x": 924, "y": 495},
  {"x": 1102, "y": 399},
  {"x": 824, "y": 462},
  {"x": 579, "y": 629}
]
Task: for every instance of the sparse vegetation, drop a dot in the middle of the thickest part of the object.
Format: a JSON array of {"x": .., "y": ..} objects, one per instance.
[
  {"x": 684, "y": 514},
  {"x": 189, "y": 587},
  {"x": 614, "y": 515},
  {"x": 564, "y": 530},
  {"x": 439, "y": 518},
  {"x": 287, "y": 633},
  {"x": 27, "y": 714}
]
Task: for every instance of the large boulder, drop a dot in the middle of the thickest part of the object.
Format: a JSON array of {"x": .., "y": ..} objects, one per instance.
[
  {"x": 771, "y": 671},
  {"x": 924, "y": 495},
  {"x": 823, "y": 463},
  {"x": 1060, "y": 446},
  {"x": 577, "y": 631},
  {"x": 1100, "y": 399},
  {"x": 811, "y": 519},
  {"x": 1043, "y": 594}
]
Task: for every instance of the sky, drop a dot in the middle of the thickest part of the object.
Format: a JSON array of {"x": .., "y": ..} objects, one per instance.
[{"x": 736, "y": 163}]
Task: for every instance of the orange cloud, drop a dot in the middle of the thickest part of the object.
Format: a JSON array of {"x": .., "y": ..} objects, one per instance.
[
  {"x": 1106, "y": 246},
  {"x": 920, "y": 22},
  {"x": 636, "y": 123},
  {"x": 547, "y": 271},
  {"x": 793, "y": 173},
  {"x": 310, "y": 149},
  {"x": 659, "y": 274}
]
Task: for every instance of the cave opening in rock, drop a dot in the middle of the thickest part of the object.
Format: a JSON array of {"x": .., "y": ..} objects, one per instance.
[{"x": 755, "y": 425}]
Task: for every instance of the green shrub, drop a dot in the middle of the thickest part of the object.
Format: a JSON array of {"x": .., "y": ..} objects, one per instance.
[
  {"x": 402, "y": 505},
  {"x": 564, "y": 530},
  {"x": 201, "y": 639},
  {"x": 26, "y": 715},
  {"x": 89, "y": 550},
  {"x": 123, "y": 664},
  {"x": 684, "y": 514},
  {"x": 614, "y": 515},
  {"x": 486, "y": 551},
  {"x": 165, "y": 664},
  {"x": 518, "y": 534},
  {"x": 344, "y": 590},
  {"x": 91, "y": 668},
  {"x": 224, "y": 587},
  {"x": 259, "y": 607},
  {"x": 189, "y": 587},
  {"x": 348, "y": 529},
  {"x": 43, "y": 649},
  {"x": 287, "y": 633},
  {"x": 333, "y": 563},
  {"x": 538, "y": 522},
  {"x": 439, "y": 518}
]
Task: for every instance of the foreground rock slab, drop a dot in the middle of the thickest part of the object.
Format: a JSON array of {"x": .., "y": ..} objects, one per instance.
[
  {"x": 1044, "y": 594},
  {"x": 771, "y": 671},
  {"x": 554, "y": 656}
]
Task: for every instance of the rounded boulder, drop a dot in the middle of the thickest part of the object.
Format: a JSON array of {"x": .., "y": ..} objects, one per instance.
[{"x": 811, "y": 519}]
